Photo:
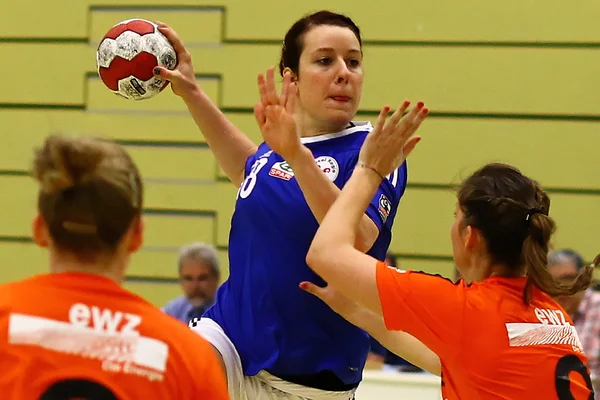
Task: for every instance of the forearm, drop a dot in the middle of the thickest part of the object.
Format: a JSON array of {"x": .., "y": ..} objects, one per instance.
[
  {"x": 230, "y": 146},
  {"x": 320, "y": 194},
  {"x": 399, "y": 343},
  {"x": 342, "y": 223}
]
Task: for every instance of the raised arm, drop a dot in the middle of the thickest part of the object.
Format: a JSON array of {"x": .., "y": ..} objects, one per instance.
[
  {"x": 332, "y": 254},
  {"x": 275, "y": 117},
  {"x": 320, "y": 194},
  {"x": 428, "y": 307},
  {"x": 230, "y": 146}
]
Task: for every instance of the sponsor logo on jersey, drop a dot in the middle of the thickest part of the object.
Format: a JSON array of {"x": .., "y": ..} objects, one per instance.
[
  {"x": 106, "y": 336},
  {"x": 282, "y": 170},
  {"x": 553, "y": 328},
  {"x": 329, "y": 166},
  {"x": 384, "y": 208}
]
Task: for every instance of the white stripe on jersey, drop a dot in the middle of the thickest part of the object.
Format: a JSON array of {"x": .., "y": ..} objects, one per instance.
[{"x": 359, "y": 126}]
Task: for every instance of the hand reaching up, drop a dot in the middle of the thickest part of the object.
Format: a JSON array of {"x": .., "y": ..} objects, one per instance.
[
  {"x": 275, "y": 115},
  {"x": 391, "y": 141}
]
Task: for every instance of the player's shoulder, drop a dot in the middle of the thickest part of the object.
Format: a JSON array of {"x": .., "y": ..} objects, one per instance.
[
  {"x": 11, "y": 291},
  {"x": 263, "y": 151},
  {"x": 429, "y": 279},
  {"x": 30, "y": 281}
]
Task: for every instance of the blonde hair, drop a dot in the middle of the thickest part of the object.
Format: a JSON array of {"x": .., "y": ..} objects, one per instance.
[{"x": 90, "y": 191}]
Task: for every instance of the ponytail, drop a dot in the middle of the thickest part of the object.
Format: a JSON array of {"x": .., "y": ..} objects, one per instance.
[{"x": 535, "y": 258}]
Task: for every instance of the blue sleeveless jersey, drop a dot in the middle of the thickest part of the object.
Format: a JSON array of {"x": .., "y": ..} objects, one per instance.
[{"x": 273, "y": 324}]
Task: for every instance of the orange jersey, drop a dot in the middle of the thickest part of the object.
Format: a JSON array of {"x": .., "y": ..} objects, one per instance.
[
  {"x": 82, "y": 336},
  {"x": 491, "y": 345}
]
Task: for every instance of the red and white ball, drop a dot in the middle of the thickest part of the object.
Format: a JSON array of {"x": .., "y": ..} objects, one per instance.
[{"x": 127, "y": 55}]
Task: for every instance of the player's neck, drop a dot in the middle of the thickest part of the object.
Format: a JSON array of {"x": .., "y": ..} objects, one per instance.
[
  {"x": 60, "y": 263},
  {"x": 482, "y": 267},
  {"x": 309, "y": 127}
]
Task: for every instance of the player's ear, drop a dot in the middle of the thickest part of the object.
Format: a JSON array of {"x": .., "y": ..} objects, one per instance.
[
  {"x": 294, "y": 76},
  {"x": 136, "y": 233},
  {"x": 39, "y": 231},
  {"x": 472, "y": 238}
]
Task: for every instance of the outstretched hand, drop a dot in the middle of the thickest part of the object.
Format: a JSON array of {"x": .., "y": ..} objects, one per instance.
[
  {"x": 391, "y": 141},
  {"x": 182, "y": 78},
  {"x": 275, "y": 114}
]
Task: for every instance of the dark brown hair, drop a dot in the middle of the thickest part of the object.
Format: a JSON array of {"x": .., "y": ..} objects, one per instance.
[
  {"x": 510, "y": 211},
  {"x": 90, "y": 192},
  {"x": 293, "y": 43}
]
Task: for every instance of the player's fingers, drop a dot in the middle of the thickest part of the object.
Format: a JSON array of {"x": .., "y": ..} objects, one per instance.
[
  {"x": 381, "y": 119},
  {"x": 397, "y": 115},
  {"x": 311, "y": 288},
  {"x": 272, "y": 112},
  {"x": 412, "y": 114},
  {"x": 411, "y": 125},
  {"x": 410, "y": 145},
  {"x": 259, "y": 114},
  {"x": 421, "y": 115},
  {"x": 272, "y": 96},
  {"x": 262, "y": 90},
  {"x": 411, "y": 121},
  {"x": 175, "y": 40},
  {"x": 164, "y": 73}
]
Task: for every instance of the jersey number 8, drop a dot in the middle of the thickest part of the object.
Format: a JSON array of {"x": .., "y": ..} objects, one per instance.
[{"x": 248, "y": 184}]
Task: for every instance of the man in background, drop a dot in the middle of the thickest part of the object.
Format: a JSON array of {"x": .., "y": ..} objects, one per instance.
[{"x": 199, "y": 276}]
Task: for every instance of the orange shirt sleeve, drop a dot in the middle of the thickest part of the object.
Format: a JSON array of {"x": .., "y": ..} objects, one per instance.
[{"x": 429, "y": 307}]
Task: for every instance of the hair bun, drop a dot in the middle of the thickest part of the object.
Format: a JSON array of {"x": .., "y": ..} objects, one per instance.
[{"x": 62, "y": 163}]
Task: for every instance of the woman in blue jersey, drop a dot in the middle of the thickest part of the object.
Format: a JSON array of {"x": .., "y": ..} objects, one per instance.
[{"x": 277, "y": 341}]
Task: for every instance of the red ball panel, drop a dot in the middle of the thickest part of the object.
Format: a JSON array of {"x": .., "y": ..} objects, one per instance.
[
  {"x": 140, "y": 66},
  {"x": 138, "y": 26},
  {"x": 115, "y": 31}
]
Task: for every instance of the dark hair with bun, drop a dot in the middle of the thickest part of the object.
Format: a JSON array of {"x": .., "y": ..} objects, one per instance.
[
  {"x": 90, "y": 192},
  {"x": 510, "y": 211}
]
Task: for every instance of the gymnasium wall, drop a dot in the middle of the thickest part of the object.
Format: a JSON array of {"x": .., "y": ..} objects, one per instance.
[{"x": 506, "y": 81}]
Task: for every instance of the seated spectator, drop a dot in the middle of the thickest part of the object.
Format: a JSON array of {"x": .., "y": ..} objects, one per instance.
[
  {"x": 583, "y": 307},
  {"x": 199, "y": 275}
]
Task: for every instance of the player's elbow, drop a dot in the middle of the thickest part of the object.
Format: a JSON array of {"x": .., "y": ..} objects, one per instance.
[
  {"x": 364, "y": 243},
  {"x": 314, "y": 257},
  {"x": 322, "y": 258},
  {"x": 367, "y": 235},
  {"x": 318, "y": 254}
]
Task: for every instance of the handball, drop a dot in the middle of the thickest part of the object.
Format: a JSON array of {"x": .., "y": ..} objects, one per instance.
[{"x": 127, "y": 55}]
